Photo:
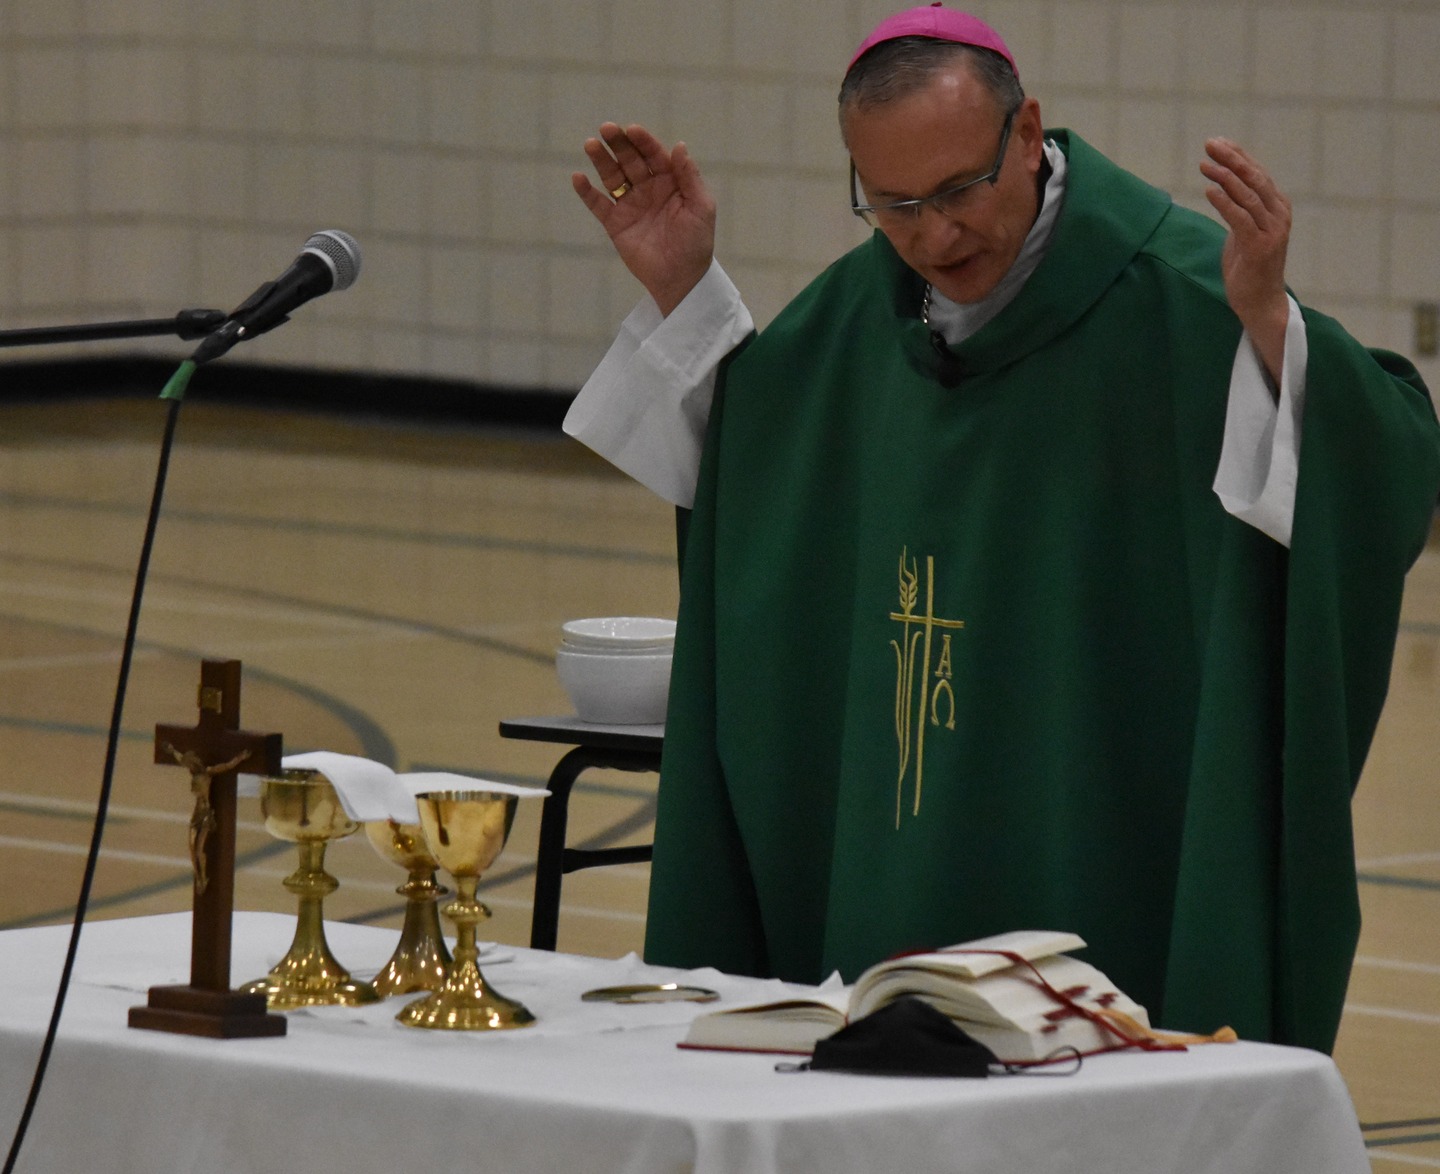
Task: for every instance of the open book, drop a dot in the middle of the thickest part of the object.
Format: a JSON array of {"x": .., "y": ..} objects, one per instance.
[{"x": 998, "y": 1002}]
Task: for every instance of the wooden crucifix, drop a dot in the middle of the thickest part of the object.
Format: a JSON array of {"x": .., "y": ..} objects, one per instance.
[{"x": 212, "y": 751}]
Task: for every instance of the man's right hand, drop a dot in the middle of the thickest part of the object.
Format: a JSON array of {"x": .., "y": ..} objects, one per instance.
[{"x": 663, "y": 221}]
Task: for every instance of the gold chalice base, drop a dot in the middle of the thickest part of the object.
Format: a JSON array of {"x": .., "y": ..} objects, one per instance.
[
  {"x": 466, "y": 1003},
  {"x": 286, "y": 988}
]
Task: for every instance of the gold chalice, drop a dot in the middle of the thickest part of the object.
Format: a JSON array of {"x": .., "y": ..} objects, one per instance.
[
  {"x": 421, "y": 959},
  {"x": 301, "y": 806},
  {"x": 465, "y": 831}
]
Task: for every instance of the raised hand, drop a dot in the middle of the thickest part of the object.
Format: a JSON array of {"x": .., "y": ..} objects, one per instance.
[
  {"x": 654, "y": 206},
  {"x": 1253, "y": 261}
]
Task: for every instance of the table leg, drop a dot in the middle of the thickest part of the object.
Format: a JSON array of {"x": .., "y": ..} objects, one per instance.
[{"x": 554, "y": 817}]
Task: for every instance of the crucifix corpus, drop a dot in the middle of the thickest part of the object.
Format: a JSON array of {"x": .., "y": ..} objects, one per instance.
[{"x": 212, "y": 752}]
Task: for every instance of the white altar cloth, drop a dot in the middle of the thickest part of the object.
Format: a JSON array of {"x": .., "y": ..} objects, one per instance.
[{"x": 591, "y": 1087}]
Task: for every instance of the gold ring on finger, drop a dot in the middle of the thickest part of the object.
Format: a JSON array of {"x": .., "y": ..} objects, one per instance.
[{"x": 616, "y": 193}]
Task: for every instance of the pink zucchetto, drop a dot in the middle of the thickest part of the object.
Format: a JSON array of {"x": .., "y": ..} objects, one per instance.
[{"x": 943, "y": 24}]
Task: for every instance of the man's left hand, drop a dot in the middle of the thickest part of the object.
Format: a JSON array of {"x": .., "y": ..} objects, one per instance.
[{"x": 1253, "y": 262}]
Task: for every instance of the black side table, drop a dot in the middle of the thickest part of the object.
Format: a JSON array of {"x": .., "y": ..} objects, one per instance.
[{"x": 610, "y": 747}]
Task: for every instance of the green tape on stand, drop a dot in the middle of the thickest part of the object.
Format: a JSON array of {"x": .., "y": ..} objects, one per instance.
[{"x": 175, "y": 389}]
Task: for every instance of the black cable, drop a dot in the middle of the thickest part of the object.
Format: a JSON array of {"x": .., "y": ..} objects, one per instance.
[{"x": 107, "y": 778}]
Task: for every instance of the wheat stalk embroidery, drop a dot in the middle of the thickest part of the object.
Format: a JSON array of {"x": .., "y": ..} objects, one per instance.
[{"x": 912, "y": 661}]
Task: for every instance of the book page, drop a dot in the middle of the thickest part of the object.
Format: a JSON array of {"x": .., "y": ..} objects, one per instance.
[
  {"x": 1027, "y": 943},
  {"x": 1011, "y": 998},
  {"x": 786, "y": 1025},
  {"x": 954, "y": 961}
]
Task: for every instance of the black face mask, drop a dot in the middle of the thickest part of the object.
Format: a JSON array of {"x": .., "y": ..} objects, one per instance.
[{"x": 905, "y": 1038}]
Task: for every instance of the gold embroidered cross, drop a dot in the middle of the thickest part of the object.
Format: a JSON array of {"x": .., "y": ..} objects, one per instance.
[{"x": 919, "y": 629}]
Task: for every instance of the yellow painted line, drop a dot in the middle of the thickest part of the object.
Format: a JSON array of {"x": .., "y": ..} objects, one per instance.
[
  {"x": 62, "y": 849},
  {"x": 163, "y": 602},
  {"x": 182, "y": 864},
  {"x": 1396, "y": 964},
  {"x": 73, "y": 660},
  {"x": 43, "y": 804},
  {"x": 120, "y": 854},
  {"x": 1392, "y": 1013}
]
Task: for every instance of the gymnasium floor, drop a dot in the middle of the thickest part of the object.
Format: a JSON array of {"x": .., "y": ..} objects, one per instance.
[{"x": 394, "y": 591}]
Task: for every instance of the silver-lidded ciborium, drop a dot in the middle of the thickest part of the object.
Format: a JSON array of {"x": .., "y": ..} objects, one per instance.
[
  {"x": 465, "y": 831},
  {"x": 300, "y": 806},
  {"x": 420, "y": 960}
]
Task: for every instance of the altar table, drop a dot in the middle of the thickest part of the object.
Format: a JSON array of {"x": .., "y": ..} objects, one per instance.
[{"x": 590, "y": 1087}]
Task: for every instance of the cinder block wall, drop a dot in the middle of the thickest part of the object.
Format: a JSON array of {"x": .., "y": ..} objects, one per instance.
[{"x": 156, "y": 154}]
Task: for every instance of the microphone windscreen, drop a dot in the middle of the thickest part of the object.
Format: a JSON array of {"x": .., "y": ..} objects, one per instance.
[{"x": 340, "y": 251}]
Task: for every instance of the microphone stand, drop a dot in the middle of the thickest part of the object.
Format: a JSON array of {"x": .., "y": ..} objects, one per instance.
[
  {"x": 220, "y": 332},
  {"x": 187, "y": 324}
]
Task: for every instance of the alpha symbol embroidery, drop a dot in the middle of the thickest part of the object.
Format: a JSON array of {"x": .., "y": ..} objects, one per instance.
[{"x": 914, "y": 673}]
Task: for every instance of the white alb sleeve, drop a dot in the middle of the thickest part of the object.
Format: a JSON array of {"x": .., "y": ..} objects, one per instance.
[
  {"x": 646, "y": 407},
  {"x": 1260, "y": 456}
]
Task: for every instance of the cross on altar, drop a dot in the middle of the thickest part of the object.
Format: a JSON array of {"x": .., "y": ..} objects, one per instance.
[{"x": 212, "y": 751}]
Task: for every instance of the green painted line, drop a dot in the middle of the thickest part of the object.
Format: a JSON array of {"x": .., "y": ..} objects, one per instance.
[
  {"x": 1411, "y": 1123},
  {"x": 79, "y": 729},
  {"x": 374, "y": 915},
  {"x": 333, "y": 529},
  {"x": 1404, "y": 1139},
  {"x": 182, "y": 879},
  {"x": 375, "y": 743},
  {"x": 1398, "y": 882},
  {"x": 456, "y": 635}
]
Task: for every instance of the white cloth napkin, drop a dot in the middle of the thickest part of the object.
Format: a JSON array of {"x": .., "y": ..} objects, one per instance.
[
  {"x": 370, "y": 790},
  {"x": 431, "y": 782},
  {"x": 367, "y": 789}
]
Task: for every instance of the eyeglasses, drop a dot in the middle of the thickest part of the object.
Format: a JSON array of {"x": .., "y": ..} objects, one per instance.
[{"x": 950, "y": 203}]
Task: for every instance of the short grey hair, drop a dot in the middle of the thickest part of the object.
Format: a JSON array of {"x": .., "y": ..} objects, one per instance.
[{"x": 898, "y": 68}]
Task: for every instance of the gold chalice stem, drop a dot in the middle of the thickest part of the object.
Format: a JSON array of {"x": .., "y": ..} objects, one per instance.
[
  {"x": 466, "y": 1002},
  {"x": 466, "y": 912},
  {"x": 421, "y": 959},
  {"x": 309, "y": 975}
]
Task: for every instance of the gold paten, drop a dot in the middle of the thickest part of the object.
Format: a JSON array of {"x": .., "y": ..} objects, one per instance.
[
  {"x": 300, "y": 806},
  {"x": 651, "y": 992},
  {"x": 465, "y": 831},
  {"x": 421, "y": 959}
]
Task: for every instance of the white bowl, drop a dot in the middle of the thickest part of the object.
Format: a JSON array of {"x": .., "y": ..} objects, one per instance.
[
  {"x": 614, "y": 633},
  {"x": 638, "y": 650},
  {"x": 615, "y": 689}
]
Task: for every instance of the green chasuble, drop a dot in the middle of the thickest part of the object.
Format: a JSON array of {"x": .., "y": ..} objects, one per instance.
[{"x": 968, "y": 644}]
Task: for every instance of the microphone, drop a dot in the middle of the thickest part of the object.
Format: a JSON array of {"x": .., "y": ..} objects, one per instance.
[{"x": 329, "y": 260}]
